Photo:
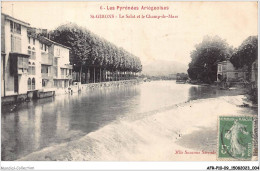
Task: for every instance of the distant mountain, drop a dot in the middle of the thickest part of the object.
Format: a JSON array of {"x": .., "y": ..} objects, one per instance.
[{"x": 163, "y": 68}]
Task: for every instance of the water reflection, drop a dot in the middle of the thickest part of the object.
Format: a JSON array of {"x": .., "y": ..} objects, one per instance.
[
  {"x": 202, "y": 92},
  {"x": 42, "y": 123}
]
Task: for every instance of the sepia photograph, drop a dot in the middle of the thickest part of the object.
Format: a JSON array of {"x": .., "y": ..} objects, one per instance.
[{"x": 129, "y": 81}]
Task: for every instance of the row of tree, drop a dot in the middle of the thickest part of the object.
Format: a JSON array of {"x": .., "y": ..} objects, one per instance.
[
  {"x": 207, "y": 54},
  {"x": 89, "y": 50}
]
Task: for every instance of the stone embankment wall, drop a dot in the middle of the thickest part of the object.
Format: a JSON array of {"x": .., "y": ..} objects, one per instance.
[
  {"x": 108, "y": 84},
  {"x": 72, "y": 89}
]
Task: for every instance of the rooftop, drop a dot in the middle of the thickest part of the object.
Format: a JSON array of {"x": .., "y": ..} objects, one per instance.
[
  {"x": 8, "y": 17},
  {"x": 50, "y": 42}
]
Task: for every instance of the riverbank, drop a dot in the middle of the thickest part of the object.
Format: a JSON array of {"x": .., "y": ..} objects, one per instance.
[
  {"x": 108, "y": 84},
  {"x": 183, "y": 132},
  {"x": 38, "y": 94}
]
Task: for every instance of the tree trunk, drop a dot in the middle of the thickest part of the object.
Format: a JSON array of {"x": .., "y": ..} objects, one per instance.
[
  {"x": 94, "y": 75},
  {"x": 113, "y": 76},
  {"x": 107, "y": 75},
  {"x": 100, "y": 75},
  {"x": 104, "y": 73},
  {"x": 88, "y": 74},
  {"x": 80, "y": 73}
]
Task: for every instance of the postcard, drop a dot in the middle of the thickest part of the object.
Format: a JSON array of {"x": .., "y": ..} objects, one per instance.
[{"x": 129, "y": 81}]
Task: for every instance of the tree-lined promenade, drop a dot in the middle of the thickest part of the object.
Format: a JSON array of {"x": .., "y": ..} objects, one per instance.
[{"x": 98, "y": 58}]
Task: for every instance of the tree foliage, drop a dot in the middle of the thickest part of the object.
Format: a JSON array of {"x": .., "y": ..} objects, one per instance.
[
  {"x": 246, "y": 53},
  {"x": 89, "y": 49},
  {"x": 204, "y": 58}
]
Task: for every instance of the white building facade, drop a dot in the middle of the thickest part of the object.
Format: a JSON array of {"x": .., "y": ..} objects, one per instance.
[
  {"x": 56, "y": 70},
  {"x": 31, "y": 63},
  {"x": 227, "y": 71},
  {"x": 34, "y": 65},
  {"x": 14, "y": 57}
]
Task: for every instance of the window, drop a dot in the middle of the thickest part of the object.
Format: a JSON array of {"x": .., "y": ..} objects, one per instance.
[
  {"x": 43, "y": 83},
  {"x": 11, "y": 26},
  {"x": 33, "y": 41},
  {"x": 62, "y": 71},
  {"x": 66, "y": 84},
  {"x": 33, "y": 55},
  {"x": 15, "y": 27},
  {"x": 29, "y": 84},
  {"x": 29, "y": 40},
  {"x": 31, "y": 69},
  {"x": 16, "y": 45},
  {"x": 55, "y": 83},
  {"x": 33, "y": 84},
  {"x": 22, "y": 62},
  {"x": 224, "y": 67},
  {"x": 29, "y": 50}
]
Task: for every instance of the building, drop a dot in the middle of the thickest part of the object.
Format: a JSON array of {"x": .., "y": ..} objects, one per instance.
[
  {"x": 227, "y": 72},
  {"x": 30, "y": 63},
  {"x": 14, "y": 56},
  {"x": 56, "y": 71},
  {"x": 34, "y": 64}
]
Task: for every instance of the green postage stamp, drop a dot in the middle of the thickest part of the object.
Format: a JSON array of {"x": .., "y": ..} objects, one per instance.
[{"x": 235, "y": 139}]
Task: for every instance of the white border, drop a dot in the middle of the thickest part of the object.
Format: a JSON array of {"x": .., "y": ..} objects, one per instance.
[
  {"x": 61, "y": 165},
  {"x": 125, "y": 165}
]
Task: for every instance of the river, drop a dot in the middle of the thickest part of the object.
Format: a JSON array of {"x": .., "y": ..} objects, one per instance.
[{"x": 42, "y": 123}]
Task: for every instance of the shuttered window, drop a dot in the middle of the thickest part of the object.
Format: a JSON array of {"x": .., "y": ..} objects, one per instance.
[{"x": 16, "y": 45}]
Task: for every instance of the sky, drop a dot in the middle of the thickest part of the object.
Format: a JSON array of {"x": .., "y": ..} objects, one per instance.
[{"x": 170, "y": 39}]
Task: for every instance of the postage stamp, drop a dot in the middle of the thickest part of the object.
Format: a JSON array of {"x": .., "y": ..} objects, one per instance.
[{"x": 235, "y": 139}]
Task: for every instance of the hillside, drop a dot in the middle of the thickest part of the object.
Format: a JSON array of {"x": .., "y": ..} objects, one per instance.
[{"x": 163, "y": 68}]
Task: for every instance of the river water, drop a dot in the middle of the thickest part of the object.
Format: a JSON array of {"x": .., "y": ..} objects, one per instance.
[{"x": 45, "y": 122}]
